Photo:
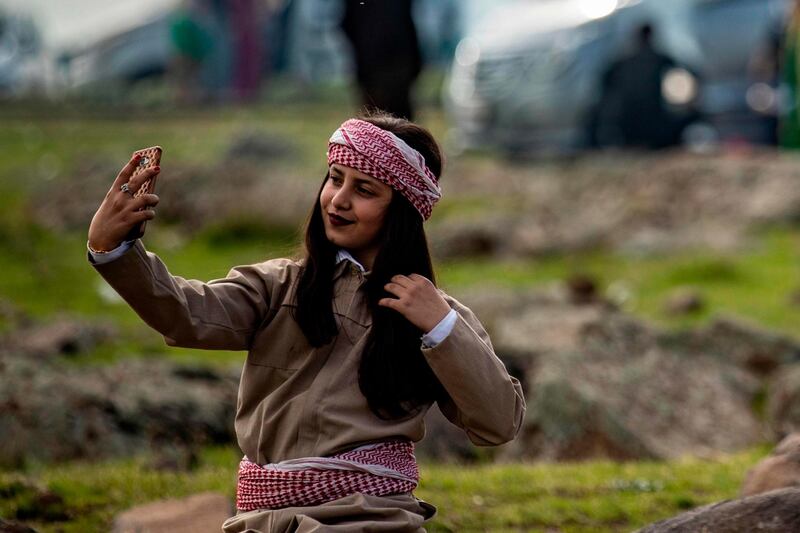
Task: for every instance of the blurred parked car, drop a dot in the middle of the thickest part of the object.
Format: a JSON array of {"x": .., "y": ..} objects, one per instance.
[
  {"x": 23, "y": 66},
  {"x": 528, "y": 77},
  {"x": 135, "y": 54}
]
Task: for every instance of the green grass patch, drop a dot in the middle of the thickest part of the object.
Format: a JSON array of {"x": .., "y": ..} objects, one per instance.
[
  {"x": 756, "y": 284},
  {"x": 582, "y": 497},
  {"x": 46, "y": 274}
]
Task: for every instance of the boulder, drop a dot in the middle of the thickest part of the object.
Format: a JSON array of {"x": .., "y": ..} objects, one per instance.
[
  {"x": 683, "y": 301},
  {"x": 232, "y": 190},
  {"x": 257, "y": 146},
  {"x": 30, "y": 501},
  {"x": 779, "y": 470},
  {"x": 751, "y": 347},
  {"x": 53, "y": 412},
  {"x": 484, "y": 236},
  {"x": 600, "y": 404},
  {"x": 583, "y": 289},
  {"x": 783, "y": 402},
  {"x": 14, "y": 527},
  {"x": 640, "y": 204},
  {"x": 60, "y": 336},
  {"x": 777, "y": 511},
  {"x": 602, "y": 384}
]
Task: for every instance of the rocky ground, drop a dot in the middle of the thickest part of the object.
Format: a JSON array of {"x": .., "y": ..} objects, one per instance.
[
  {"x": 51, "y": 410},
  {"x": 640, "y": 203},
  {"x": 624, "y": 201},
  {"x": 599, "y": 384}
]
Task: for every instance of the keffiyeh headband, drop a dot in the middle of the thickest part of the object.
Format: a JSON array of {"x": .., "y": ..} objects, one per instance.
[{"x": 386, "y": 157}]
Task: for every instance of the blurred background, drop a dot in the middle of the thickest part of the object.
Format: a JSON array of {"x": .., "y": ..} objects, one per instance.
[{"x": 621, "y": 209}]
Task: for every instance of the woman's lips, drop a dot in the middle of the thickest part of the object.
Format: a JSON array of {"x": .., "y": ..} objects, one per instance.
[{"x": 336, "y": 220}]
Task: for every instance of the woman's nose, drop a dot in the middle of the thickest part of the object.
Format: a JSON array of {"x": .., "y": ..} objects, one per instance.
[{"x": 341, "y": 199}]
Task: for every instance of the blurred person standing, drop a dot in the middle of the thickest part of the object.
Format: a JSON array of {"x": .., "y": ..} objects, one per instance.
[
  {"x": 764, "y": 74},
  {"x": 192, "y": 42},
  {"x": 246, "y": 17},
  {"x": 217, "y": 72},
  {"x": 790, "y": 118},
  {"x": 632, "y": 109},
  {"x": 386, "y": 52}
]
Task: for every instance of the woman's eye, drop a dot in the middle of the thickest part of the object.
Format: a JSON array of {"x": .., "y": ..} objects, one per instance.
[{"x": 362, "y": 190}]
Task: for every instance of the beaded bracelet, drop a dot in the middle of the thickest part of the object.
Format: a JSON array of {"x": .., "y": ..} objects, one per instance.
[{"x": 96, "y": 251}]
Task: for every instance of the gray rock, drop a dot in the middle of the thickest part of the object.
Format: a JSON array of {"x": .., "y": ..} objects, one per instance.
[
  {"x": 630, "y": 405},
  {"x": 234, "y": 191},
  {"x": 484, "y": 236},
  {"x": 683, "y": 301},
  {"x": 751, "y": 347},
  {"x": 779, "y": 470},
  {"x": 783, "y": 401},
  {"x": 257, "y": 146},
  {"x": 25, "y": 500},
  {"x": 60, "y": 336},
  {"x": 14, "y": 527},
  {"x": 52, "y": 412},
  {"x": 644, "y": 204},
  {"x": 600, "y": 383},
  {"x": 583, "y": 289},
  {"x": 772, "y": 512}
]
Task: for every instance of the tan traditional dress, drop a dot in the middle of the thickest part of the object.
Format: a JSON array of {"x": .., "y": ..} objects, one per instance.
[{"x": 299, "y": 401}]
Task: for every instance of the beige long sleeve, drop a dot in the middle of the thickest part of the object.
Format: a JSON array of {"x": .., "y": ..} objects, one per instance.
[
  {"x": 484, "y": 400},
  {"x": 220, "y": 314}
]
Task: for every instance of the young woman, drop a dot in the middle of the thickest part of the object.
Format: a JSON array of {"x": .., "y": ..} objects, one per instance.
[{"x": 347, "y": 347}]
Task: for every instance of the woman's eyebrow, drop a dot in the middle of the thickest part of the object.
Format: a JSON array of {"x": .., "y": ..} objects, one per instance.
[{"x": 367, "y": 181}]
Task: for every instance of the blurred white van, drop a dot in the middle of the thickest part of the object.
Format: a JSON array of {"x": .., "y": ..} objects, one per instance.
[
  {"x": 528, "y": 77},
  {"x": 23, "y": 65}
]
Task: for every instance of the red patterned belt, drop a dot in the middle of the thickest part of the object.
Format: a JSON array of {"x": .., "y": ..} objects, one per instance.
[{"x": 378, "y": 469}]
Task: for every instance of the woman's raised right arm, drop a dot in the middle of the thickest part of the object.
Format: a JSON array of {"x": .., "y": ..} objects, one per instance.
[{"x": 220, "y": 314}]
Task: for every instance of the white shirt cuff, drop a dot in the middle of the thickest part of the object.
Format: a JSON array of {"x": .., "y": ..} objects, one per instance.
[
  {"x": 440, "y": 331},
  {"x": 111, "y": 255}
]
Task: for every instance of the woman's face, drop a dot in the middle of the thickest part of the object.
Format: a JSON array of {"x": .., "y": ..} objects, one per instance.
[{"x": 354, "y": 206}]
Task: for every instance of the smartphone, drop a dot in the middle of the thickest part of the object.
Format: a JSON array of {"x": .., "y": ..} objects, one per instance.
[{"x": 150, "y": 157}]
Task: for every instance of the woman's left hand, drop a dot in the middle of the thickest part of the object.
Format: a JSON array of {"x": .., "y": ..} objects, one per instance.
[{"x": 417, "y": 299}]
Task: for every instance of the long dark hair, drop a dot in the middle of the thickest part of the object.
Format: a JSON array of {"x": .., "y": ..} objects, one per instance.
[{"x": 393, "y": 375}]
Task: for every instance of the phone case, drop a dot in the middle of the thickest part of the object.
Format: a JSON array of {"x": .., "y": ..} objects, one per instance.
[{"x": 151, "y": 157}]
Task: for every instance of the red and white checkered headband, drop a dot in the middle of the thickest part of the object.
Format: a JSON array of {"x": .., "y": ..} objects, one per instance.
[{"x": 386, "y": 157}]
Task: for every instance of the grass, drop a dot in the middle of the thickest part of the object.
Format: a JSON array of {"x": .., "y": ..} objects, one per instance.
[
  {"x": 756, "y": 284},
  {"x": 51, "y": 275},
  {"x": 45, "y": 273},
  {"x": 584, "y": 497}
]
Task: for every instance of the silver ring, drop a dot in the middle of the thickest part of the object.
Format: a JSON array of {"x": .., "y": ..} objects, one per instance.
[{"x": 124, "y": 188}]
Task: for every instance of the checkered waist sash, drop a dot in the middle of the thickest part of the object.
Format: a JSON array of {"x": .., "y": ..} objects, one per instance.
[{"x": 378, "y": 469}]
